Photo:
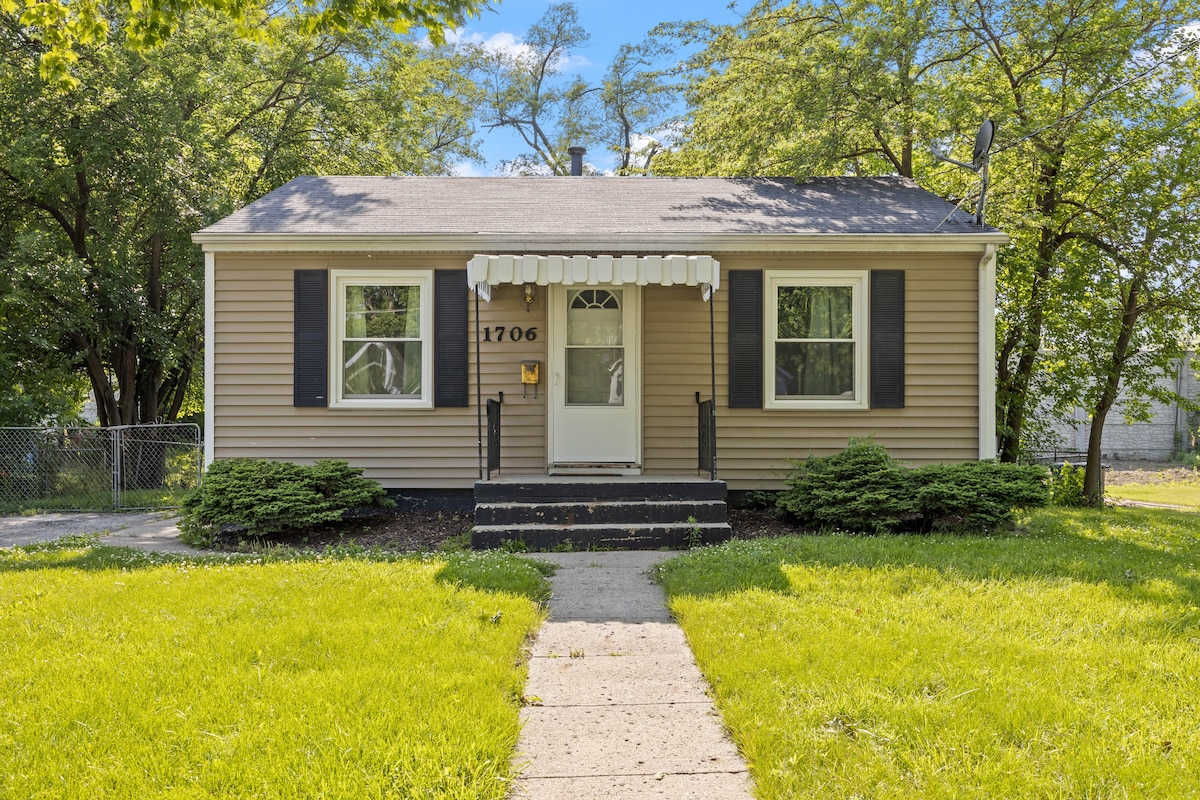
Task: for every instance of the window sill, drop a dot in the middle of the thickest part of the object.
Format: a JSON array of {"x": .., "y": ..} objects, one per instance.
[
  {"x": 390, "y": 405},
  {"x": 816, "y": 405}
]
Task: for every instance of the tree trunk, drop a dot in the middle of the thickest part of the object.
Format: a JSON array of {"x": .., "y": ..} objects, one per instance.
[
  {"x": 106, "y": 398},
  {"x": 1130, "y": 312},
  {"x": 1013, "y": 387},
  {"x": 1092, "y": 488}
]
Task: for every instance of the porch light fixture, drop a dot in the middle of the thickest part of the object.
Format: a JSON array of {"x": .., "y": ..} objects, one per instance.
[{"x": 528, "y": 296}]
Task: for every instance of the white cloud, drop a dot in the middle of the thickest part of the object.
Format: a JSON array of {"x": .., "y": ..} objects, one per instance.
[
  {"x": 511, "y": 45},
  {"x": 467, "y": 169},
  {"x": 502, "y": 43},
  {"x": 640, "y": 141}
]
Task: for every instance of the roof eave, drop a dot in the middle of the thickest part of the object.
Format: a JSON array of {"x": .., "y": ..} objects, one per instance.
[{"x": 566, "y": 243}]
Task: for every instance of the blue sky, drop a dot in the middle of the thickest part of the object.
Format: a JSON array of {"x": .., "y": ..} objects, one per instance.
[{"x": 611, "y": 23}]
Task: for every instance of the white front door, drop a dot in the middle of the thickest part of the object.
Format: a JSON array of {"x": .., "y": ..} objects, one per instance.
[{"x": 595, "y": 372}]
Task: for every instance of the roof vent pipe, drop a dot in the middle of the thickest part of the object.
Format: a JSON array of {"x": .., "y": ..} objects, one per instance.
[{"x": 576, "y": 160}]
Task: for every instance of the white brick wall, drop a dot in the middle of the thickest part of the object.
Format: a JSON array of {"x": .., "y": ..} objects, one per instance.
[{"x": 1153, "y": 440}]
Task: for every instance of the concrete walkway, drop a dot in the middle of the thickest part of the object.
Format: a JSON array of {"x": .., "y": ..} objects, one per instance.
[
  {"x": 618, "y": 707},
  {"x": 146, "y": 530}
]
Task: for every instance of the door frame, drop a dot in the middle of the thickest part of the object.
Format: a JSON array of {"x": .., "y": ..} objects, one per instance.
[{"x": 631, "y": 302}]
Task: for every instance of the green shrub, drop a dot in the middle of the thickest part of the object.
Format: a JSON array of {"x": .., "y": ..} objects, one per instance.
[
  {"x": 1066, "y": 486},
  {"x": 760, "y": 499},
  {"x": 258, "y": 497},
  {"x": 977, "y": 494},
  {"x": 859, "y": 489},
  {"x": 863, "y": 489}
]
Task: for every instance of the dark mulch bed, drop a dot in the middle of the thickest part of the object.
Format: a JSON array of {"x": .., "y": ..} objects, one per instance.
[{"x": 409, "y": 531}]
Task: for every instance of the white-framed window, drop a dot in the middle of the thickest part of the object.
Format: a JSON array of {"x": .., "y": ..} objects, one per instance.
[
  {"x": 381, "y": 347},
  {"x": 815, "y": 326}
]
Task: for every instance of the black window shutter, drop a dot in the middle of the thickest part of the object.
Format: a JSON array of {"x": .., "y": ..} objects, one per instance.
[
  {"x": 745, "y": 338},
  {"x": 310, "y": 350},
  {"x": 887, "y": 339},
  {"x": 450, "y": 361}
]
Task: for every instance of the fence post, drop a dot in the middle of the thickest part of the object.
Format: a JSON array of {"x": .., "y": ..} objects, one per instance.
[{"x": 114, "y": 441}]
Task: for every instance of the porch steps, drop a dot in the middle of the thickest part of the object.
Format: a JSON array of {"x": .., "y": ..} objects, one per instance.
[{"x": 609, "y": 513}]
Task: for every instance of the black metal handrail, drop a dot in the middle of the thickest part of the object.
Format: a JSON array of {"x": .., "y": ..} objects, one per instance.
[
  {"x": 706, "y": 438},
  {"x": 493, "y": 436}
]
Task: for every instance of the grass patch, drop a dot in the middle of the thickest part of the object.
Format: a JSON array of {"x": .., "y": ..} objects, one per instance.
[
  {"x": 1063, "y": 662},
  {"x": 281, "y": 674},
  {"x": 100, "y": 500},
  {"x": 1175, "y": 493}
]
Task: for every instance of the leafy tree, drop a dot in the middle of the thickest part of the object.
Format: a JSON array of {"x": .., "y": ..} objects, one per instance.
[
  {"x": 103, "y": 184},
  {"x": 1138, "y": 299},
  {"x": 34, "y": 389},
  {"x": 1092, "y": 99},
  {"x": 635, "y": 98},
  {"x": 814, "y": 87},
  {"x": 523, "y": 93},
  {"x": 66, "y": 27},
  {"x": 1091, "y": 123}
]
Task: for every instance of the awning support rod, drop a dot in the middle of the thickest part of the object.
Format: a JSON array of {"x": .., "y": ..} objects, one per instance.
[
  {"x": 478, "y": 390},
  {"x": 712, "y": 362}
]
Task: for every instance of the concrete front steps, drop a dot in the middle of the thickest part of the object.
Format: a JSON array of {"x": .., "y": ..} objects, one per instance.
[{"x": 600, "y": 512}]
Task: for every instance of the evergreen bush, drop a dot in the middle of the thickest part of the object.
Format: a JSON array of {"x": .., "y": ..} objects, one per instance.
[
  {"x": 859, "y": 489},
  {"x": 977, "y": 495},
  {"x": 863, "y": 489},
  {"x": 257, "y": 497}
]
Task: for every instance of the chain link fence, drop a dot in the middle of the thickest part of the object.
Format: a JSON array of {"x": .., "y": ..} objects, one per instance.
[{"x": 91, "y": 469}]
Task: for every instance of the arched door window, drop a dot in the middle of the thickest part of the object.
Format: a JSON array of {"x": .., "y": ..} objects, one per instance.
[{"x": 595, "y": 351}]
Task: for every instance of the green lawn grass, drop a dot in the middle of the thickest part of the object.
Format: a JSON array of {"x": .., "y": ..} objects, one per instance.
[
  {"x": 1059, "y": 662},
  {"x": 1175, "y": 493},
  {"x": 133, "y": 675},
  {"x": 98, "y": 500}
]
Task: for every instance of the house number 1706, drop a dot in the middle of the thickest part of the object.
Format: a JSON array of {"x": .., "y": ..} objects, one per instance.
[{"x": 515, "y": 333}]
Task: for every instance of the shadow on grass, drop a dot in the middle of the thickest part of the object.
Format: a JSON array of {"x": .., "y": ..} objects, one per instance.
[
  {"x": 1119, "y": 547},
  {"x": 489, "y": 571},
  {"x": 84, "y": 552}
]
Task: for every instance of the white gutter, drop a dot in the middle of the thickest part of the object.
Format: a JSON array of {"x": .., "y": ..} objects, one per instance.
[
  {"x": 617, "y": 244},
  {"x": 987, "y": 353}
]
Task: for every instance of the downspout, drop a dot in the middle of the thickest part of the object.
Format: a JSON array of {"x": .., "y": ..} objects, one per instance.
[
  {"x": 987, "y": 354},
  {"x": 210, "y": 357}
]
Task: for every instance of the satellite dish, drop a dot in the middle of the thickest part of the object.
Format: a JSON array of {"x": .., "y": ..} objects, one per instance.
[
  {"x": 983, "y": 144},
  {"x": 979, "y": 162}
]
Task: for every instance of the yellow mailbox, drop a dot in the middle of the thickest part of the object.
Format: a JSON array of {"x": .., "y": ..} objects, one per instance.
[{"x": 531, "y": 375}]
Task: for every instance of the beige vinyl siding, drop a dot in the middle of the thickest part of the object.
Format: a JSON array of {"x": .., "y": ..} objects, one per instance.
[
  {"x": 427, "y": 449},
  {"x": 523, "y": 416},
  {"x": 938, "y": 423},
  {"x": 675, "y": 353},
  {"x": 405, "y": 448}
]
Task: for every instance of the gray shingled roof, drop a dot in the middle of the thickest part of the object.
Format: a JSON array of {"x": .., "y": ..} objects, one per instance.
[{"x": 597, "y": 206}]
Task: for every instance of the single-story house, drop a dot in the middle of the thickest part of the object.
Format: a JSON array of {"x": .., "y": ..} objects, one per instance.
[{"x": 372, "y": 319}]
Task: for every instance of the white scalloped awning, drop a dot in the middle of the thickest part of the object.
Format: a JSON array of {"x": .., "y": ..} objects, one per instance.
[{"x": 486, "y": 271}]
